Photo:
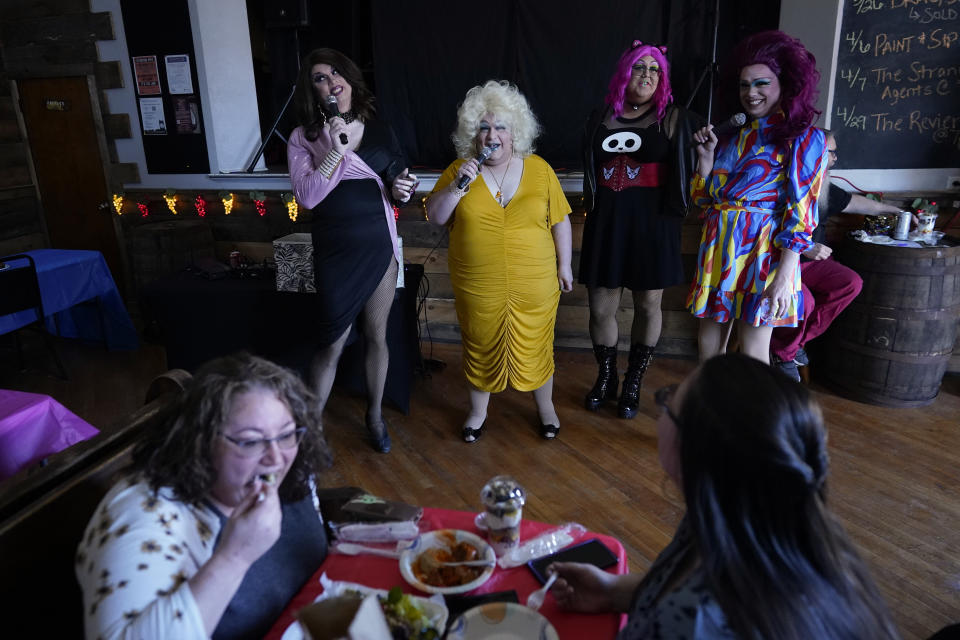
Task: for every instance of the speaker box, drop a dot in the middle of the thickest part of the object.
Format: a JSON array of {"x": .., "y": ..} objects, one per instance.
[{"x": 285, "y": 14}]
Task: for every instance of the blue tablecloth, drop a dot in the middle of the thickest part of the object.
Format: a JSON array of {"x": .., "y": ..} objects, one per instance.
[{"x": 67, "y": 279}]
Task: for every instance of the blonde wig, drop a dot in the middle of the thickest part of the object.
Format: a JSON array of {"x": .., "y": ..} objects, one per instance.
[{"x": 504, "y": 101}]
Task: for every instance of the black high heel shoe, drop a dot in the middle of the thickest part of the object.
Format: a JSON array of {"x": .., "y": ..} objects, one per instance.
[{"x": 379, "y": 437}]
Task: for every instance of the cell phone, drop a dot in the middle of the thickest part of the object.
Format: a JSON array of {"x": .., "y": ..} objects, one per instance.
[{"x": 591, "y": 552}]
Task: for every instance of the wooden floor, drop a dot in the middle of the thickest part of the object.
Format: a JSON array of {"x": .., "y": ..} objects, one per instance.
[{"x": 895, "y": 479}]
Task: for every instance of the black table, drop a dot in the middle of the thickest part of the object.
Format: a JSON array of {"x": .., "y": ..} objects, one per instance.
[{"x": 197, "y": 319}]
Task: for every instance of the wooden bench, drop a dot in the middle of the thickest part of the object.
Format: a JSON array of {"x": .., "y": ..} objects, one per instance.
[{"x": 44, "y": 511}]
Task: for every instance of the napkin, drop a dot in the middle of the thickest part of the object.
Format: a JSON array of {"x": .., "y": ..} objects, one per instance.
[{"x": 346, "y": 616}]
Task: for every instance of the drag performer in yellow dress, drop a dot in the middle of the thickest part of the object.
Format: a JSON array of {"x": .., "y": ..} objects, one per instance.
[{"x": 509, "y": 255}]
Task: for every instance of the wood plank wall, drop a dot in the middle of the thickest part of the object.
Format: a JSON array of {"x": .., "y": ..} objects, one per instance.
[
  {"x": 245, "y": 231},
  {"x": 45, "y": 39},
  {"x": 21, "y": 228}
]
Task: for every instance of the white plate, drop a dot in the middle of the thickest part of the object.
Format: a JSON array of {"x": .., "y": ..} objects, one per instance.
[
  {"x": 440, "y": 539},
  {"x": 503, "y": 621},
  {"x": 436, "y": 612},
  {"x": 881, "y": 239}
]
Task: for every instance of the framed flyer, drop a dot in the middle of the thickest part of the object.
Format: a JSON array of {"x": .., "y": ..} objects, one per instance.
[
  {"x": 147, "y": 75},
  {"x": 151, "y": 114},
  {"x": 186, "y": 112},
  {"x": 179, "y": 81}
]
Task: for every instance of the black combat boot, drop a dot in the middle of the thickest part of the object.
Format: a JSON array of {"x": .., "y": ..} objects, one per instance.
[
  {"x": 640, "y": 357},
  {"x": 605, "y": 388}
]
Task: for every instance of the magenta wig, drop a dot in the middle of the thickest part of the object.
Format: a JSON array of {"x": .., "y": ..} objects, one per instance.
[
  {"x": 796, "y": 69},
  {"x": 621, "y": 78}
]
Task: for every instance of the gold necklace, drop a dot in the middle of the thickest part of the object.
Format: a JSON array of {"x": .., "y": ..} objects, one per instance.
[{"x": 499, "y": 183}]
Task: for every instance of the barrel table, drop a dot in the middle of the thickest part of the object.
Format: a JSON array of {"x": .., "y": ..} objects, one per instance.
[{"x": 891, "y": 346}]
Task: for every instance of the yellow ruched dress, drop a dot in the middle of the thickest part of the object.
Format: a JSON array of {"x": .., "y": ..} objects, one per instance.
[{"x": 503, "y": 267}]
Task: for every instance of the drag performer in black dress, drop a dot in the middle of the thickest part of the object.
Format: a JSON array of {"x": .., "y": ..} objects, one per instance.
[
  {"x": 345, "y": 166},
  {"x": 637, "y": 164}
]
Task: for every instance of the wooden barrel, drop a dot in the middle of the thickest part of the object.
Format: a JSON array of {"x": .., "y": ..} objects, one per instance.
[{"x": 892, "y": 345}]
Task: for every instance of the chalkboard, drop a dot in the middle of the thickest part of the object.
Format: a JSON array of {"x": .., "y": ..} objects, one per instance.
[{"x": 897, "y": 97}]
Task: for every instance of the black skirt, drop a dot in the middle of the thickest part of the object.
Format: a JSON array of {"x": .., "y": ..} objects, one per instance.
[
  {"x": 351, "y": 251},
  {"x": 628, "y": 242}
]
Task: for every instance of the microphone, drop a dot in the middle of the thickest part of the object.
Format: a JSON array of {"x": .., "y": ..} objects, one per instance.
[
  {"x": 481, "y": 158},
  {"x": 333, "y": 111},
  {"x": 736, "y": 121}
]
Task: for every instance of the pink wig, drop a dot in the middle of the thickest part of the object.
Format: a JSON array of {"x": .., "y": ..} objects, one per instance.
[
  {"x": 621, "y": 78},
  {"x": 796, "y": 69}
]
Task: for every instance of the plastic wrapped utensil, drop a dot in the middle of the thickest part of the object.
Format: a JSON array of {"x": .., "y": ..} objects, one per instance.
[{"x": 544, "y": 544}]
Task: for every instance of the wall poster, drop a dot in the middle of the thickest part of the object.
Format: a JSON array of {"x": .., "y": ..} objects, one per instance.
[
  {"x": 147, "y": 75},
  {"x": 151, "y": 114},
  {"x": 178, "y": 74}
]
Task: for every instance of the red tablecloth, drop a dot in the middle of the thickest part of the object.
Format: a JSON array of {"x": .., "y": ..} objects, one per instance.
[
  {"x": 33, "y": 426},
  {"x": 383, "y": 573}
]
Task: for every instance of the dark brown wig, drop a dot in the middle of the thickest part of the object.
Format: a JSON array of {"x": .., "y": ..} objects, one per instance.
[
  {"x": 178, "y": 451},
  {"x": 310, "y": 112}
]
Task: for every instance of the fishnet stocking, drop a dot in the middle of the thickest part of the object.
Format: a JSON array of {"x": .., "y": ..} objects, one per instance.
[
  {"x": 377, "y": 357},
  {"x": 374, "y": 316}
]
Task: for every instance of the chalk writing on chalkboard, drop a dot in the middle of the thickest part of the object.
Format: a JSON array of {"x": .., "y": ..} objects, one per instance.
[{"x": 897, "y": 88}]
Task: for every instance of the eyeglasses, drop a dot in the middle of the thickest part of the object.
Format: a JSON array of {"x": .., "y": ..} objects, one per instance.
[
  {"x": 642, "y": 70},
  {"x": 257, "y": 447},
  {"x": 832, "y": 152},
  {"x": 662, "y": 399}
]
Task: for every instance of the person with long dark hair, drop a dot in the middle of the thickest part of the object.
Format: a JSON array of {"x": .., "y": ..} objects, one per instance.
[
  {"x": 637, "y": 165},
  {"x": 345, "y": 165},
  {"x": 758, "y": 189},
  {"x": 215, "y": 525},
  {"x": 758, "y": 554}
]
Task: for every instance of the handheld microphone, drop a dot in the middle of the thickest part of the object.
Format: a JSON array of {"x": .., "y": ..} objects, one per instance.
[
  {"x": 481, "y": 158},
  {"x": 736, "y": 121},
  {"x": 333, "y": 111}
]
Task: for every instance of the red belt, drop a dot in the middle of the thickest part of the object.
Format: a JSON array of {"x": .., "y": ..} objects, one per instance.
[{"x": 622, "y": 173}]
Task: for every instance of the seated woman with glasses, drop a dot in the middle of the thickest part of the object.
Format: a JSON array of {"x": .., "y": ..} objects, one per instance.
[
  {"x": 758, "y": 554},
  {"x": 214, "y": 527}
]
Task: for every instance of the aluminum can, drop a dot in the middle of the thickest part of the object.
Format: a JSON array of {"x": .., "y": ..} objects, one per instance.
[
  {"x": 902, "y": 230},
  {"x": 234, "y": 259}
]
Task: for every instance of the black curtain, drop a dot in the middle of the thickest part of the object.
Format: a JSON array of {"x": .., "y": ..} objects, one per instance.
[
  {"x": 421, "y": 57},
  {"x": 561, "y": 54},
  {"x": 426, "y": 56}
]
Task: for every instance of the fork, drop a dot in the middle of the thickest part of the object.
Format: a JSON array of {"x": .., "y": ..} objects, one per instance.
[{"x": 535, "y": 599}]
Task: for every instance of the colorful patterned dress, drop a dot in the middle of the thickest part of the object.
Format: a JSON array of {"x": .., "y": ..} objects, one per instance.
[{"x": 760, "y": 198}]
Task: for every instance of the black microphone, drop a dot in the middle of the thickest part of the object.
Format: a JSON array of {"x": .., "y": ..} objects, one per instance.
[
  {"x": 333, "y": 111},
  {"x": 481, "y": 158},
  {"x": 736, "y": 121}
]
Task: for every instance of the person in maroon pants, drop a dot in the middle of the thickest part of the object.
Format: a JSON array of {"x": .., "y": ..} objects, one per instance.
[{"x": 828, "y": 286}]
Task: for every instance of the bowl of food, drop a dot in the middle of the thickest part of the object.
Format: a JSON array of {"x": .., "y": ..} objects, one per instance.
[{"x": 425, "y": 564}]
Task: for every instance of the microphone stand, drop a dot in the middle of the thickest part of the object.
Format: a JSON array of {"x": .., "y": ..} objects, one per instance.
[
  {"x": 273, "y": 132},
  {"x": 711, "y": 69}
]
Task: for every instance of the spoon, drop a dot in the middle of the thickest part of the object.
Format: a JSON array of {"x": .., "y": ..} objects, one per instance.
[
  {"x": 350, "y": 549},
  {"x": 470, "y": 563},
  {"x": 535, "y": 599}
]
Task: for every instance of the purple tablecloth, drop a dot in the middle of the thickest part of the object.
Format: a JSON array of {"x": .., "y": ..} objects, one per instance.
[{"x": 34, "y": 426}]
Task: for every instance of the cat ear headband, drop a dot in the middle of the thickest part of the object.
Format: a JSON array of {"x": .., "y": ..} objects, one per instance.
[{"x": 637, "y": 43}]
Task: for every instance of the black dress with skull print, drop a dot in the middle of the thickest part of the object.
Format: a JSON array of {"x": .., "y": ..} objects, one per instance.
[{"x": 628, "y": 239}]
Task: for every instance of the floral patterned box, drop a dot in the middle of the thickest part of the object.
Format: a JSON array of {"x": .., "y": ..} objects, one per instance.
[{"x": 294, "y": 256}]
